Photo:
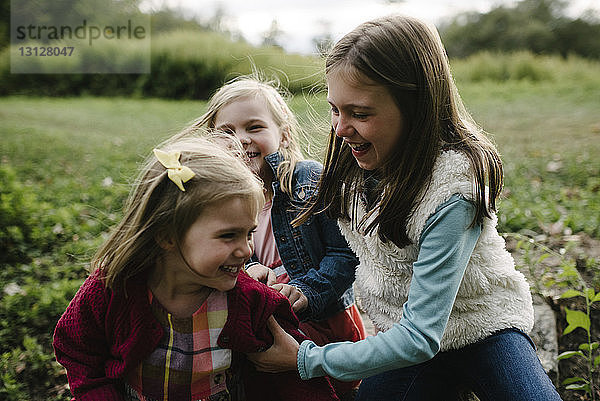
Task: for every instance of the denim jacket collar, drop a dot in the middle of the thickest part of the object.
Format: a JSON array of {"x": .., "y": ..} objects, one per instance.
[
  {"x": 273, "y": 161},
  {"x": 305, "y": 179}
]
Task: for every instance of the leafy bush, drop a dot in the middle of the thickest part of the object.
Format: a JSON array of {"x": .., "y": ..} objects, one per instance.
[
  {"x": 28, "y": 315},
  {"x": 555, "y": 276},
  {"x": 587, "y": 350},
  {"x": 29, "y": 372},
  {"x": 517, "y": 66},
  {"x": 17, "y": 204},
  {"x": 30, "y": 228},
  {"x": 183, "y": 65},
  {"x": 33, "y": 309}
]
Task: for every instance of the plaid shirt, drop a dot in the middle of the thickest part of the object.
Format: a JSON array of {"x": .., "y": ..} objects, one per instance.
[{"x": 188, "y": 364}]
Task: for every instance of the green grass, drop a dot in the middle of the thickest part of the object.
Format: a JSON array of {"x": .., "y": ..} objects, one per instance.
[
  {"x": 549, "y": 138},
  {"x": 66, "y": 165},
  {"x": 69, "y": 146},
  {"x": 536, "y": 120}
]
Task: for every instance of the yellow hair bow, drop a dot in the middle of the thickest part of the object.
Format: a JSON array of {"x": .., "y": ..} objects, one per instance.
[{"x": 176, "y": 172}]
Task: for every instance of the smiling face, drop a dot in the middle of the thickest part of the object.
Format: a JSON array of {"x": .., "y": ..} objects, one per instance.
[
  {"x": 251, "y": 122},
  {"x": 365, "y": 116},
  {"x": 216, "y": 246}
]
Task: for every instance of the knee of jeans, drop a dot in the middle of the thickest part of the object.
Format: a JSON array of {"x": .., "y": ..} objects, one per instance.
[
  {"x": 522, "y": 333},
  {"x": 390, "y": 385},
  {"x": 507, "y": 332}
]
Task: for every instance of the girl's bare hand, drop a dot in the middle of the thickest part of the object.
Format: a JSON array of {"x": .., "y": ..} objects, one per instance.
[
  {"x": 267, "y": 276},
  {"x": 282, "y": 355},
  {"x": 262, "y": 273},
  {"x": 297, "y": 299}
]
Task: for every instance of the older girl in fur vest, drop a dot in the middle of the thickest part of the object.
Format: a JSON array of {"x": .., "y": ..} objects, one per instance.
[{"x": 413, "y": 183}]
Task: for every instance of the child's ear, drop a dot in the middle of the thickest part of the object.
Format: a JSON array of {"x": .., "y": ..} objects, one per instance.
[
  {"x": 165, "y": 241},
  {"x": 285, "y": 135}
]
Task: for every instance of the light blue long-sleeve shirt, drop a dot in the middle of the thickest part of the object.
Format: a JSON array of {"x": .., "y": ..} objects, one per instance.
[{"x": 446, "y": 244}]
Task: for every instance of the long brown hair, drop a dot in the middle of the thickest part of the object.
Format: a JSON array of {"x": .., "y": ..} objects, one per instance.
[
  {"x": 406, "y": 57},
  {"x": 157, "y": 208}
]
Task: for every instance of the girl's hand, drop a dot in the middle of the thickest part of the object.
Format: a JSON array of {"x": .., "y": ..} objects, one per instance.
[
  {"x": 282, "y": 355},
  {"x": 297, "y": 299},
  {"x": 267, "y": 276},
  {"x": 262, "y": 273}
]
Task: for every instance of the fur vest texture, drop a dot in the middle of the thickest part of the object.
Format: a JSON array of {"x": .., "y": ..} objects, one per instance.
[{"x": 492, "y": 295}]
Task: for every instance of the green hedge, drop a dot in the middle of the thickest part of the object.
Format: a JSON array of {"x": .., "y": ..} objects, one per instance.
[
  {"x": 525, "y": 66},
  {"x": 192, "y": 65},
  {"x": 184, "y": 65}
]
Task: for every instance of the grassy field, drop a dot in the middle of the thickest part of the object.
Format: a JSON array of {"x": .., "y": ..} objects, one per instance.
[
  {"x": 548, "y": 133},
  {"x": 66, "y": 164}
]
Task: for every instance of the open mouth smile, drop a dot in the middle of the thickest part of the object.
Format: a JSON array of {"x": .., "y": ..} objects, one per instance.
[
  {"x": 252, "y": 155},
  {"x": 359, "y": 147},
  {"x": 231, "y": 269}
]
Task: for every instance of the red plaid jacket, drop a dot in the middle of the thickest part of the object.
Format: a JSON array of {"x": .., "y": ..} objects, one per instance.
[{"x": 103, "y": 334}]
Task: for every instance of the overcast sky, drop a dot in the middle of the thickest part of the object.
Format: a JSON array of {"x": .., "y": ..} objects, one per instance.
[{"x": 301, "y": 20}]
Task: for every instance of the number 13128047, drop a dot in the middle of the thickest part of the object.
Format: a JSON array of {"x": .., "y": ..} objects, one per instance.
[{"x": 46, "y": 51}]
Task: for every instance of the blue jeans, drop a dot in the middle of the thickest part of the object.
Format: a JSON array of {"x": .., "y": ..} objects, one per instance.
[{"x": 502, "y": 367}]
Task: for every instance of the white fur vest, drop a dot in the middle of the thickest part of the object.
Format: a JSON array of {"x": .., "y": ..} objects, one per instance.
[{"x": 492, "y": 295}]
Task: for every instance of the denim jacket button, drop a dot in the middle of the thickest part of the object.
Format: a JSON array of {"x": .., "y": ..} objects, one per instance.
[{"x": 282, "y": 238}]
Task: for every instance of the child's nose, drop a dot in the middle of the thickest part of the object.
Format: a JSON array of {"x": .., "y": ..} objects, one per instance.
[
  {"x": 245, "y": 249},
  {"x": 342, "y": 128},
  {"x": 244, "y": 138}
]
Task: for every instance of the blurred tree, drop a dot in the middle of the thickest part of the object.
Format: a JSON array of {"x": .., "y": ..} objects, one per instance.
[
  {"x": 542, "y": 10},
  {"x": 40, "y": 12},
  {"x": 48, "y": 11},
  {"x": 272, "y": 36},
  {"x": 56, "y": 12},
  {"x": 216, "y": 22},
  {"x": 324, "y": 41},
  {"x": 540, "y": 26},
  {"x": 579, "y": 37},
  {"x": 168, "y": 20},
  {"x": 4, "y": 23}
]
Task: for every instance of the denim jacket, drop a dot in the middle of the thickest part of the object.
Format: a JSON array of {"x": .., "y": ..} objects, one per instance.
[{"x": 315, "y": 255}]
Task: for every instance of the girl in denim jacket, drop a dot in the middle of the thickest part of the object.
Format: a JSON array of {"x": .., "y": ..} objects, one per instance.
[{"x": 311, "y": 264}]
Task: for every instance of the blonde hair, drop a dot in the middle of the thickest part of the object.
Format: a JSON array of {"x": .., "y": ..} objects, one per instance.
[
  {"x": 274, "y": 98},
  {"x": 157, "y": 208}
]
